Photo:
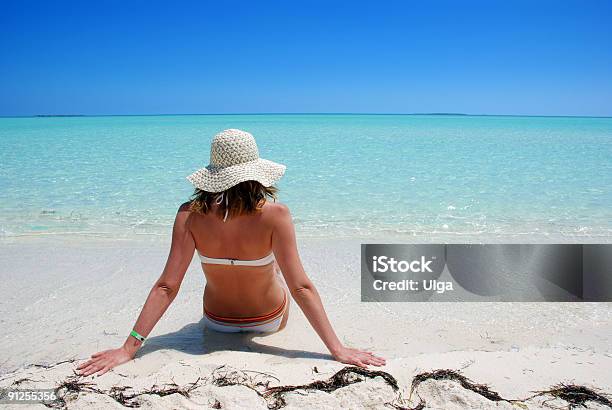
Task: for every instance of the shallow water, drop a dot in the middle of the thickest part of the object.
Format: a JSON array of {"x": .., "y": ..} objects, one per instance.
[{"x": 347, "y": 175}]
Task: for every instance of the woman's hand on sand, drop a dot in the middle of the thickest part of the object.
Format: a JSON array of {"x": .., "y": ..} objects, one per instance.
[
  {"x": 102, "y": 362},
  {"x": 358, "y": 357}
]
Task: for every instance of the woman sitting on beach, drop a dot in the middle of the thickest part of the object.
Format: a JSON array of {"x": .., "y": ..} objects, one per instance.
[{"x": 249, "y": 255}]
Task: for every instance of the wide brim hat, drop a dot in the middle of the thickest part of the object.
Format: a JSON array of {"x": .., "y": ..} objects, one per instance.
[{"x": 234, "y": 158}]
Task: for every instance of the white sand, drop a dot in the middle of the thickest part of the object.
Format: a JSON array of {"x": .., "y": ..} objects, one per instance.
[{"x": 68, "y": 297}]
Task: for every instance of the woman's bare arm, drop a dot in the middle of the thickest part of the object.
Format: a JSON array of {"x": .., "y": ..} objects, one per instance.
[
  {"x": 160, "y": 297},
  {"x": 305, "y": 293}
]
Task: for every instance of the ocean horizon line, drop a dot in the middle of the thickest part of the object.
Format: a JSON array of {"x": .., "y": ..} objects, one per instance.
[{"x": 440, "y": 114}]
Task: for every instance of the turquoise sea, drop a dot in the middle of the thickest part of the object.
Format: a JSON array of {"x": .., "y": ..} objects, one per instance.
[{"x": 347, "y": 175}]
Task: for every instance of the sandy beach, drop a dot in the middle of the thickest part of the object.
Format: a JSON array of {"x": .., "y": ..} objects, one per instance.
[{"x": 66, "y": 297}]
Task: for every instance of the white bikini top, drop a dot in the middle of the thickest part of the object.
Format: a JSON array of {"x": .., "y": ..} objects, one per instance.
[{"x": 249, "y": 262}]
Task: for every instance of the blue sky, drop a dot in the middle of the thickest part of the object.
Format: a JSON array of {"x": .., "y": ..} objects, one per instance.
[{"x": 146, "y": 57}]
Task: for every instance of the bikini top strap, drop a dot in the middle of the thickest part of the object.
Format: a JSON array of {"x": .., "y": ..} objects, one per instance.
[{"x": 225, "y": 261}]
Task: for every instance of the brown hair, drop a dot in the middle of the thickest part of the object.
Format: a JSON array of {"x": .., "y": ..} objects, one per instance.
[{"x": 244, "y": 198}]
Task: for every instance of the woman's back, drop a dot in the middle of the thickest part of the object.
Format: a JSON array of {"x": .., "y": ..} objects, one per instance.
[{"x": 236, "y": 290}]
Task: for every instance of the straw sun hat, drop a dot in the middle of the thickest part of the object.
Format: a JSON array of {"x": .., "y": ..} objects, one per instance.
[{"x": 234, "y": 158}]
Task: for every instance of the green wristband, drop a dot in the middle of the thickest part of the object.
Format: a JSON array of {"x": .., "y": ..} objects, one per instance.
[{"x": 137, "y": 336}]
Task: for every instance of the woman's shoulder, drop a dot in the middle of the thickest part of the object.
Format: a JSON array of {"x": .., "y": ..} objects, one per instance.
[
  {"x": 185, "y": 207},
  {"x": 275, "y": 208},
  {"x": 276, "y": 212}
]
